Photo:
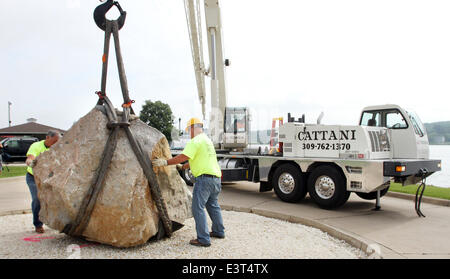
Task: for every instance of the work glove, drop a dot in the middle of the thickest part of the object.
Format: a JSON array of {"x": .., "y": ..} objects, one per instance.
[
  {"x": 33, "y": 163},
  {"x": 179, "y": 167},
  {"x": 159, "y": 162}
]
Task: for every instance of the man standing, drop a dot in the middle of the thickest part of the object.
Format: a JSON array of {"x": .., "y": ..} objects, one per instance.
[
  {"x": 203, "y": 164},
  {"x": 33, "y": 152}
]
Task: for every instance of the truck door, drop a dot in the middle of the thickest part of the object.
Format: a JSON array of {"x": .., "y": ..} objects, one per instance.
[
  {"x": 402, "y": 135},
  {"x": 423, "y": 150},
  {"x": 12, "y": 147}
]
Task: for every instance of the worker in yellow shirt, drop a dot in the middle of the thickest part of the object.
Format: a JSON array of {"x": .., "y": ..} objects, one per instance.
[
  {"x": 200, "y": 153},
  {"x": 33, "y": 152}
]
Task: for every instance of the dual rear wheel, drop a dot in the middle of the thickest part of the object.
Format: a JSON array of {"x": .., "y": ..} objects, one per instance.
[
  {"x": 289, "y": 183},
  {"x": 325, "y": 185}
]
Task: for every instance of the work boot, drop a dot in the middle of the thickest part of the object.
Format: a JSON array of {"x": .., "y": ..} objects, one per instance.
[
  {"x": 195, "y": 242},
  {"x": 212, "y": 234}
]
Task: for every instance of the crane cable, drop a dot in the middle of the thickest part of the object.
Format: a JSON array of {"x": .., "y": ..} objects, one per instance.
[
  {"x": 81, "y": 221},
  {"x": 418, "y": 200}
]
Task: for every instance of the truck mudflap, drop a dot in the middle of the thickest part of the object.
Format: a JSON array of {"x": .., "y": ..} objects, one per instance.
[{"x": 410, "y": 171}]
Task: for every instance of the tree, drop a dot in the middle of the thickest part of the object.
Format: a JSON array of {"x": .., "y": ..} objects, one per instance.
[{"x": 158, "y": 115}]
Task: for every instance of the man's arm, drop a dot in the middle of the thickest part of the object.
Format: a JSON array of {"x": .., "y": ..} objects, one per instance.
[
  {"x": 190, "y": 149},
  {"x": 30, "y": 159},
  {"x": 181, "y": 158},
  {"x": 31, "y": 155},
  {"x": 174, "y": 161}
]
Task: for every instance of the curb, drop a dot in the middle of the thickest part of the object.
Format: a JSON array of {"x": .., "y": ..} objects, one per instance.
[
  {"x": 15, "y": 212},
  {"x": 436, "y": 201},
  {"x": 350, "y": 238}
]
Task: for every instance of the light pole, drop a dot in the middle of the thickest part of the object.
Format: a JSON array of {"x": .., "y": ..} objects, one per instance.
[
  {"x": 9, "y": 113},
  {"x": 179, "y": 127}
]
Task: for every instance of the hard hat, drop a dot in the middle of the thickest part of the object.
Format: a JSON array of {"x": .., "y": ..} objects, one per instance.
[{"x": 193, "y": 121}]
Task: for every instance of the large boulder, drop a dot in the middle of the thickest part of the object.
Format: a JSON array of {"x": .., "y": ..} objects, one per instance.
[{"x": 124, "y": 214}]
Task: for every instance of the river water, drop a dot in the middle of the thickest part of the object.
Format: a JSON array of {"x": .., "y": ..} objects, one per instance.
[{"x": 441, "y": 178}]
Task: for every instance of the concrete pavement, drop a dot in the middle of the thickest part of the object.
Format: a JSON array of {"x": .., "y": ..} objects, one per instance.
[
  {"x": 14, "y": 195},
  {"x": 393, "y": 232}
]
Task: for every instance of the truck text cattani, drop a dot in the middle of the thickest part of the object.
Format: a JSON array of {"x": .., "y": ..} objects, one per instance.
[
  {"x": 334, "y": 141},
  {"x": 326, "y": 139}
]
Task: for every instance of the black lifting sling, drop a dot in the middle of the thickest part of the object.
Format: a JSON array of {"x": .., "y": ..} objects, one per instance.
[{"x": 77, "y": 227}]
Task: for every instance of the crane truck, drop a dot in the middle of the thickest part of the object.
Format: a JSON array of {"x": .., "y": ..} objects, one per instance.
[{"x": 326, "y": 161}]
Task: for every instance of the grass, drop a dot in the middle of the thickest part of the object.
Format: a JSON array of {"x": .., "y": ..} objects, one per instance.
[
  {"x": 430, "y": 191},
  {"x": 13, "y": 171}
]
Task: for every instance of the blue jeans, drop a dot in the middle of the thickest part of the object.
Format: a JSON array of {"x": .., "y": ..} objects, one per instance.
[
  {"x": 35, "y": 204},
  {"x": 206, "y": 191}
]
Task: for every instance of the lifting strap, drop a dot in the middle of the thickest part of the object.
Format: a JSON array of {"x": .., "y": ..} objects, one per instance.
[{"x": 81, "y": 221}]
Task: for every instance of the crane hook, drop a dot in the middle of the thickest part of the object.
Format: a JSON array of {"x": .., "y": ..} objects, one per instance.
[{"x": 102, "y": 9}]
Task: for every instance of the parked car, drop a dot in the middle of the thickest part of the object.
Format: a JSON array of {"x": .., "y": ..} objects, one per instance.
[{"x": 16, "y": 148}]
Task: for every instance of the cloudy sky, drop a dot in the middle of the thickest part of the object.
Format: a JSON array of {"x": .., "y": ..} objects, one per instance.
[{"x": 286, "y": 56}]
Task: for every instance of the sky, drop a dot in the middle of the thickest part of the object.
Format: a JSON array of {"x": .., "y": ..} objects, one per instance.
[{"x": 302, "y": 57}]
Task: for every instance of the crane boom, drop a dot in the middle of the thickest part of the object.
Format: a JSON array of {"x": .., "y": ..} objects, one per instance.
[
  {"x": 217, "y": 69},
  {"x": 233, "y": 133},
  {"x": 195, "y": 37}
]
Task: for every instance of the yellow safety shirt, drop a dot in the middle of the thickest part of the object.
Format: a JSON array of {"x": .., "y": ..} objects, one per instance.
[
  {"x": 36, "y": 149},
  {"x": 202, "y": 156}
]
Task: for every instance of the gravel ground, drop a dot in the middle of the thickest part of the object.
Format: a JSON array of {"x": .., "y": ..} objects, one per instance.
[{"x": 247, "y": 236}]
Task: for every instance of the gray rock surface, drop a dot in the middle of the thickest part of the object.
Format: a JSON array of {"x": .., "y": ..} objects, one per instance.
[{"x": 124, "y": 214}]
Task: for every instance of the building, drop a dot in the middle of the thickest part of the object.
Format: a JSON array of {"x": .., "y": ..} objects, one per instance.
[{"x": 31, "y": 128}]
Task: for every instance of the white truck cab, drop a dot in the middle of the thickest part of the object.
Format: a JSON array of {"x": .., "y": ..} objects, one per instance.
[{"x": 408, "y": 135}]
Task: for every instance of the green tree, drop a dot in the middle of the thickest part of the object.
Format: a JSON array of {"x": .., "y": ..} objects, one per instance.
[{"x": 159, "y": 116}]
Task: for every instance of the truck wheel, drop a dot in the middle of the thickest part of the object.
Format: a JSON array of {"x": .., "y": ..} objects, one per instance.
[
  {"x": 327, "y": 187},
  {"x": 187, "y": 176},
  {"x": 288, "y": 183},
  {"x": 372, "y": 195}
]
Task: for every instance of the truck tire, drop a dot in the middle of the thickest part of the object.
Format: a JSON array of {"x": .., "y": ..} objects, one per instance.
[
  {"x": 288, "y": 183},
  {"x": 327, "y": 187},
  {"x": 372, "y": 195},
  {"x": 187, "y": 176}
]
